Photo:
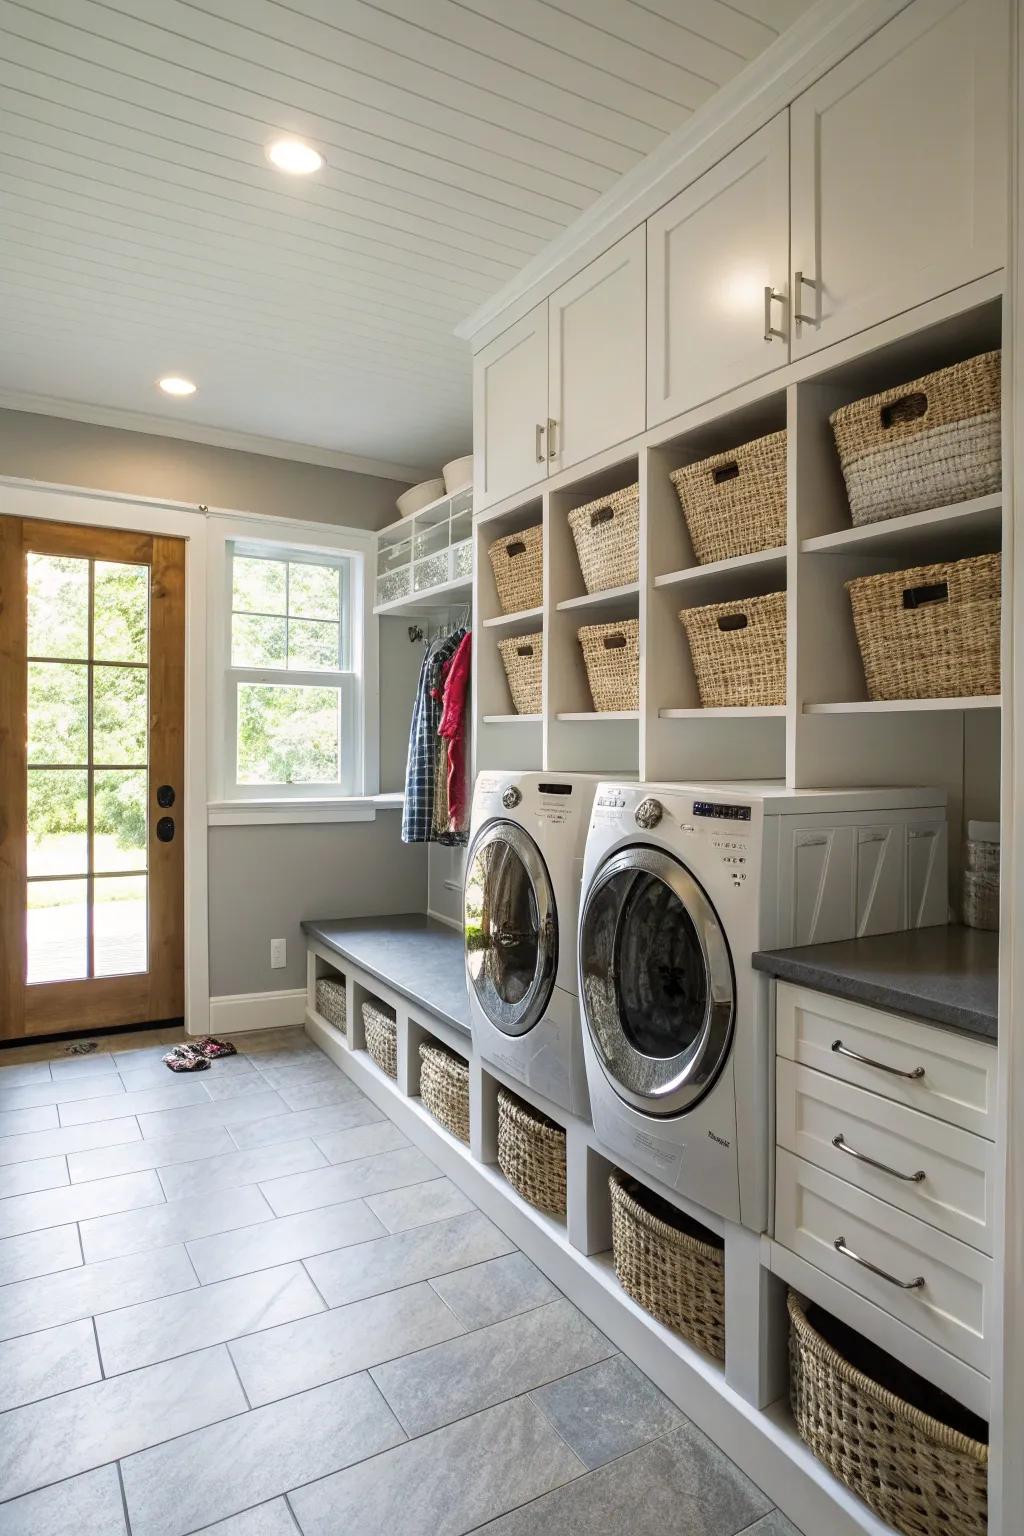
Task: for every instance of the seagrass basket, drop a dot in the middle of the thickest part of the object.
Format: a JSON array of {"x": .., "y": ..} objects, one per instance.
[
  {"x": 667, "y": 1263},
  {"x": 735, "y": 503},
  {"x": 925, "y": 444},
  {"x": 517, "y": 561},
  {"x": 607, "y": 535},
  {"x": 611, "y": 655},
  {"x": 931, "y": 632},
  {"x": 739, "y": 651},
  {"x": 330, "y": 1000},
  {"x": 522, "y": 657},
  {"x": 919, "y": 1473},
  {"x": 531, "y": 1153},
  {"x": 381, "y": 1036},
  {"x": 444, "y": 1087}
]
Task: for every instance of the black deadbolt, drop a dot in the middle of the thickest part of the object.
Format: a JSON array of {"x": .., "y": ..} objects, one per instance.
[
  {"x": 165, "y": 829},
  {"x": 165, "y": 796}
]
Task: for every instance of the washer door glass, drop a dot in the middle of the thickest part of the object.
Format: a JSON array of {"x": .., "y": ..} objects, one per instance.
[
  {"x": 656, "y": 983},
  {"x": 511, "y": 929}
]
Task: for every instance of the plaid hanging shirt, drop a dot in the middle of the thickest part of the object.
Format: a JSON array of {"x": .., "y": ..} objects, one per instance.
[{"x": 421, "y": 767}]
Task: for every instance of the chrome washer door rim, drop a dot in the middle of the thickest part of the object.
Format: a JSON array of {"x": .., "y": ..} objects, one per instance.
[
  {"x": 520, "y": 1017},
  {"x": 671, "y": 1085}
]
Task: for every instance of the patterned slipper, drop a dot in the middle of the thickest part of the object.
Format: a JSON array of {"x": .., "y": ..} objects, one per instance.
[
  {"x": 211, "y": 1048},
  {"x": 185, "y": 1058}
]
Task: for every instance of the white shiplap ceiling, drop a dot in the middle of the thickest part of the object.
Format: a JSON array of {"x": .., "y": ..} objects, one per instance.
[{"x": 142, "y": 231}]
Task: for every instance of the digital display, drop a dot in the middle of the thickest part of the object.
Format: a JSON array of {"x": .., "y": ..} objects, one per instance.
[
  {"x": 555, "y": 789},
  {"x": 721, "y": 812}
]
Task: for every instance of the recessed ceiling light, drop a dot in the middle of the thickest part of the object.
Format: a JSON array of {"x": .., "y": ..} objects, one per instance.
[
  {"x": 173, "y": 385},
  {"x": 294, "y": 157}
]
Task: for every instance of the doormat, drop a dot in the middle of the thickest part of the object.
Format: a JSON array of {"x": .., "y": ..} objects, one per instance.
[{"x": 80, "y": 1047}]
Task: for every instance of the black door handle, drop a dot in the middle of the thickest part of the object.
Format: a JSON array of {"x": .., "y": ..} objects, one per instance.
[
  {"x": 165, "y": 796},
  {"x": 165, "y": 829}
]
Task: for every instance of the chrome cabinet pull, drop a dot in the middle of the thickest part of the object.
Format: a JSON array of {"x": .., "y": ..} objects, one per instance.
[
  {"x": 839, "y": 1142},
  {"x": 769, "y": 331},
  {"x": 799, "y": 282},
  {"x": 843, "y": 1050},
  {"x": 905, "y": 1285},
  {"x": 552, "y": 438},
  {"x": 539, "y": 448}
]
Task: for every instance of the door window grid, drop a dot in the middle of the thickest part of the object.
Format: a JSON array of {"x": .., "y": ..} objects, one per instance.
[{"x": 91, "y": 875}]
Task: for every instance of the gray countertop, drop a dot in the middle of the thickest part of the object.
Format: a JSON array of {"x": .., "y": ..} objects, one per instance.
[
  {"x": 416, "y": 955},
  {"x": 947, "y": 975}
]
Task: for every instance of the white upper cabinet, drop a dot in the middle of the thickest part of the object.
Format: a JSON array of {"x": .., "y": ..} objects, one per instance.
[
  {"x": 898, "y": 170},
  {"x": 510, "y": 409},
  {"x": 717, "y": 264},
  {"x": 596, "y": 325}
]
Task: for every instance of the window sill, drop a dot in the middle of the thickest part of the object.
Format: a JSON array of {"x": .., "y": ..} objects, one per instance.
[{"x": 271, "y": 813}]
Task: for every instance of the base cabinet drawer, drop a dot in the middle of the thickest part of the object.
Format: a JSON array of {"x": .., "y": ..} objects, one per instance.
[
  {"x": 926, "y": 1167},
  {"x": 931, "y": 1282},
  {"x": 922, "y": 1066}
]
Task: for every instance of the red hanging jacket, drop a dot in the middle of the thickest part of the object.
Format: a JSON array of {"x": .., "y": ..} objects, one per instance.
[{"x": 454, "y": 729}]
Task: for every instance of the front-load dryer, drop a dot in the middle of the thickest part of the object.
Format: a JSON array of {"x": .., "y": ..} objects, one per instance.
[
  {"x": 523, "y": 873},
  {"x": 681, "y": 885}
]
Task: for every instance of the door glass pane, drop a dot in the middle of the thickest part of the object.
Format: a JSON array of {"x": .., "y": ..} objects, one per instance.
[
  {"x": 58, "y": 607},
  {"x": 120, "y": 925},
  {"x": 502, "y": 924},
  {"x": 288, "y": 734},
  {"x": 56, "y": 930},
  {"x": 259, "y": 586},
  {"x": 258, "y": 641},
  {"x": 120, "y": 715},
  {"x": 121, "y": 612},
  {"x": 312, "y": 646},
  {"x": 58, "y": 821},
  {"x": 58, "y": 713},
  {"x": 120, "y": 828},
  {"x": 314, "y": 591}
]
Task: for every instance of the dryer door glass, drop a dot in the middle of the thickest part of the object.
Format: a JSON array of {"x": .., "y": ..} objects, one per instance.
[
  {"x": 511, "y": 929},
  {"x": 656, "y": 982}
]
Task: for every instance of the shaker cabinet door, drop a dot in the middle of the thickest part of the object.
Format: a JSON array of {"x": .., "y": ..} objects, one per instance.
[
  {"x": 510, "y": 409},
  {"x": 898, "y": 170},
  {"x": 717, "y": 265}
]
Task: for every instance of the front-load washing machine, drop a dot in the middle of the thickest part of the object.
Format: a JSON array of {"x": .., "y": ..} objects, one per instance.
[
  {"x": 523, "y": 873},
  {"x": 681, "y": 884}
]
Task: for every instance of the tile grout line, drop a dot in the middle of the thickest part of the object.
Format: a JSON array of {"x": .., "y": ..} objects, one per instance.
[
  {"x": 99, "y": 1351},
  {"x": 124, "y": 1499}
]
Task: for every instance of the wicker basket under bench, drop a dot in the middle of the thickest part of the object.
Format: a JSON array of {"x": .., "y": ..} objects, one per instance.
[
  {"x": 444, "y": 1087},
  {"x": 381, "y": 1033},
  {"x": 331, "y": 1003},
  {"x": 531, "y": 1153}
]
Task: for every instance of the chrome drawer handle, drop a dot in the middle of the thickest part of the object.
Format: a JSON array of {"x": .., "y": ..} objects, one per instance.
[
  {"x": 843, "y": 1050},
  {"x": 862, "y": 1157},
  {"x": 905, "y": 1285}
]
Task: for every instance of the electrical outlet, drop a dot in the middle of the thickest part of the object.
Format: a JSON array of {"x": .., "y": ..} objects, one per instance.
[{"x": 278, "y": 954}]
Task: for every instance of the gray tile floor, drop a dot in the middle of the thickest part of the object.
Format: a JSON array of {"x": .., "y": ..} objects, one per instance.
[{"x": 240, "y": 1302}]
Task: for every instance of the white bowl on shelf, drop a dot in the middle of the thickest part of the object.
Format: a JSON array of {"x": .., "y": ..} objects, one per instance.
[
  {"x": 419, "y": 496},
  {"x": 458, "y": 474}
]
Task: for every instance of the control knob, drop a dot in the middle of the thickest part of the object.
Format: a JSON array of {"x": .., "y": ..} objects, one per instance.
[
  {"x": 647, "y": 814},
  {"x": 511, "y": 796}
]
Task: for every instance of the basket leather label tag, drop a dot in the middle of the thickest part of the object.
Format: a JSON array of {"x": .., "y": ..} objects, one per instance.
[
  {"x": 916, "y": 597},
  {"x": 602, "y": 515},
  {"x": 907, "y": 408},
  {"x": 733, "y": 621}
]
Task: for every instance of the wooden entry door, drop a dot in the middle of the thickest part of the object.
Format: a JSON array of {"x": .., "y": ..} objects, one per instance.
[{"x": 92, "y": 672}]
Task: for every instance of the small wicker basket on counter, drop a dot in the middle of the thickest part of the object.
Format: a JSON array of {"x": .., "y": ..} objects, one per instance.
[
  {"x": 611, "y": 654},
  {"x": 667, "y": 1263},
  {"x": 931, "y": 632},
  {"x": 517, "y": 561},
  {"x": 607, "y": 536},
  {"x": 929, "y": 443},
  {"x": 918, "y": 1472},
  {"x": 444, "y": 1087},
  {"x": 381, "y": 1036},
  {"x": 531, "y": 1153},
  {"x": 739, "y": 651},
  {"x": 331, "y": 1001},
  {"x": 735, "y": 503},
  {"x": 522, "y": 656}
]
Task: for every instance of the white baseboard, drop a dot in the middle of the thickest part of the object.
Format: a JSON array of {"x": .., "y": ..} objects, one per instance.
[{"x": 257, "y": 1010}]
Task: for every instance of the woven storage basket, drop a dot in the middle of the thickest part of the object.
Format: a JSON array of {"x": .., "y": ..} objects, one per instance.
[
  {"x": 607, "y": 534},
  {"x": 676, "y": 1275},
  {"x": 925, "y": 444},
  {"x": 919, "y": 1474},
  {"x": 381, "y": 1036},
  {"x": 931, "y": 632},
  {"x": 522, "y": 657},
  {"x": 517, "y": 561},
  {"x": 735, "y": 503},
  {"x": 444, "y": 1088},
  {"x": 330, "y": 1001},
  {"x": 611, "y": 654},
  {"x": 531, "y": 1153},
  {"x": 739, "y": 651}
]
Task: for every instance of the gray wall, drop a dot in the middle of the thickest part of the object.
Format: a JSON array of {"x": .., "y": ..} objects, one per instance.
[{"x": 399, "y": 668}]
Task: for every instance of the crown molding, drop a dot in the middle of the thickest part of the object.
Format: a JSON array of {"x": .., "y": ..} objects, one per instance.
[
  {"x": 812, "y": 45},
  {"x": 213, "y": 437}
]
